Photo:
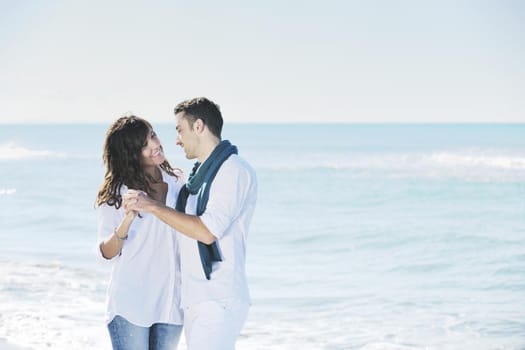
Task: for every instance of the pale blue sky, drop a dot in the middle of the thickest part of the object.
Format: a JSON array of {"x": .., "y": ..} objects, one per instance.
[{"x": 274, "y": 61}]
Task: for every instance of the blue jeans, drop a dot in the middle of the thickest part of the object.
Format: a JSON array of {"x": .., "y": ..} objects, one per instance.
[{"x": 127, "y": 336}]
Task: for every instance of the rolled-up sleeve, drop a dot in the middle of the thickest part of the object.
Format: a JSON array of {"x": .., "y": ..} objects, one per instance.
[
  {"x": 228, "y": 193},
  {"x": 108, "y": 219}
]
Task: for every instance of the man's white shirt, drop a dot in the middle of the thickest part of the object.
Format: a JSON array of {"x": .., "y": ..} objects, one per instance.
[{"x": 228, "y": 214}]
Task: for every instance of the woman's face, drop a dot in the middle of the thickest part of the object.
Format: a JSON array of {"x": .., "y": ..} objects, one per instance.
[{"x": 152, "y": 153}]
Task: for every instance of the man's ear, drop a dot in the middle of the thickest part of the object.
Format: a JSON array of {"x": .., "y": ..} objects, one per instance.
[{"x": 198, "y": 125}]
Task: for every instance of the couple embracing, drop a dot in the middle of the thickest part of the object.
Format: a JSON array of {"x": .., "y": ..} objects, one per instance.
[{"x": 178, "y": 247}]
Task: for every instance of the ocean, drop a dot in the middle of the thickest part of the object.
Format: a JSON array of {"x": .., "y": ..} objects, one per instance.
[{"x": 365, "y": 237}]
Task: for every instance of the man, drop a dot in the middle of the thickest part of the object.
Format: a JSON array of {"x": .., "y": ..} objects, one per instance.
[{"x": 213, "y": 223}]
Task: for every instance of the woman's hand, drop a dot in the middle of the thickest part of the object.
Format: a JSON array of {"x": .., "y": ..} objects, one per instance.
[
  {"x": 131, "y": 214},
  {"x": 138, "y": 201}
]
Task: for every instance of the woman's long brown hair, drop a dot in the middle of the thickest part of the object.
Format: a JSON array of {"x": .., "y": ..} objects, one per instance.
[{"x": 122, "y": 156}]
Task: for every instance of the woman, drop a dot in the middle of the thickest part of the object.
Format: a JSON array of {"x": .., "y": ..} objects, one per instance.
[{"x": 144, "y": 291}]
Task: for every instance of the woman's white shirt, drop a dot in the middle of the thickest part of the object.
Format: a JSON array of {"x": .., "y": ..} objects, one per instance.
[{"x": 145, "y": 279}]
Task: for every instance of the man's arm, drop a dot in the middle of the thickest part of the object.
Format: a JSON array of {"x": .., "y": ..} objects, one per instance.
[{"x": 189, "y": 225}]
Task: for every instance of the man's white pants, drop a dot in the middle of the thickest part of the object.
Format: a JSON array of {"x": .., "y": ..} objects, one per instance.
[{"x": 214, "y": 325}]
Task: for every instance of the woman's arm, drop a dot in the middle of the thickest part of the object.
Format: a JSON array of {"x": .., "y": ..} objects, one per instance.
[{"x": 112, "y": 245}]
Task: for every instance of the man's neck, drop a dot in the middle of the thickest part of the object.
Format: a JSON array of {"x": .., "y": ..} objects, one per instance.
[{"x": 207, "y": 149}]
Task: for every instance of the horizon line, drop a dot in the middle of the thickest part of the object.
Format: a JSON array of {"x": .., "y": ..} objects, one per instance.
[{"x": 18, "y": 123}]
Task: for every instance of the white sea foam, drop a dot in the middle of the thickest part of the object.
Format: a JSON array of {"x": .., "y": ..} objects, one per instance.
[
  {"x": 11, "y": 151},
  {"x": 7, "y": 191},
  {"x": 41, "y": 301},
  {"x": 52, "y": 306},
  {"x": 476, "y": 165},
  {"x": 478, "y": 160},
  {"x": 472, "y": 159},
  {"x": 394, "y": 161}
]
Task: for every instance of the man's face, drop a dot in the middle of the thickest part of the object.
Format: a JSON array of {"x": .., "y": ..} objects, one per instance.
[{"x": 186, "y": 136}]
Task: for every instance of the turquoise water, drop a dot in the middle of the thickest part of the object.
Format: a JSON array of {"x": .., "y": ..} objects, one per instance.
[{"x": 365, "y": 236}]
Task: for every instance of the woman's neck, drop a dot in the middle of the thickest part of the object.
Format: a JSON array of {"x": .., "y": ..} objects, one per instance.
[{"x": 154, "y": 172}]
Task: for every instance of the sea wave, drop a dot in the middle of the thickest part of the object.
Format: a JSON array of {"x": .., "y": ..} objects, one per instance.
[
  {"x": 465, "y": 165},
  {"x": 7, "y": 191},
  {"x": 12, "y": 151},
  {"x": 478, "y": 160},
  {"x": 393, "y": 161}
]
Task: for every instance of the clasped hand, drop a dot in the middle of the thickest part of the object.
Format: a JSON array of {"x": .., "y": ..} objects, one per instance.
[{"x": 137, "y": 201}]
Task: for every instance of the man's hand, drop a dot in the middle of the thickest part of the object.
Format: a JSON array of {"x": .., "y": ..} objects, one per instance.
[{"x": 138, "y": 201}]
